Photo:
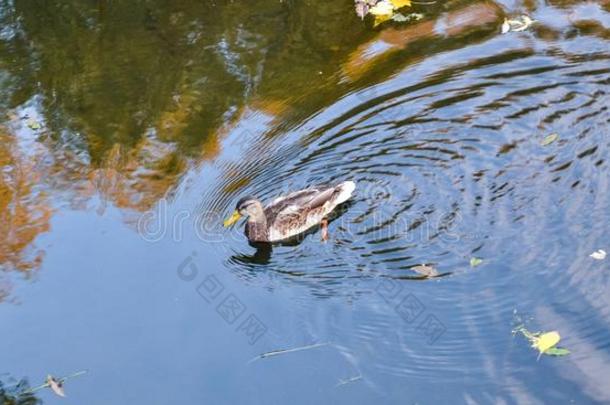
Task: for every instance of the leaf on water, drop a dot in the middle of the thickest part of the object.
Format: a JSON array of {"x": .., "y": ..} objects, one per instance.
[
  {"x": 557, "y": 351},
  {"x": 33, "y": 124},
  {"x": 526, "y": 21},
  {"x": 380, "y": 19},
  {"x": 546, "y": 341},
  {"x": 528, "y": 335},
  {"x": 517, "y": 27},
  {"x": 549, "y": 139},
  {"x": 383, "y": 8},
  {"x": 425, "y": 270},
  {"x": 517, "y": 24},
  {"x": 56, "y": 385},
  {"x": 400, "y": 3},
  {"x": 475, "y": 261},
  {"x": 598, "y": 255},
  {"x": 505, "y": 26},
  {"x": 361, "y": 9},
  {"x": 399, "y": 17}
]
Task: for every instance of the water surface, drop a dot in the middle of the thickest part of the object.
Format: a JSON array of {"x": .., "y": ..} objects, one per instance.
[{"x": 130, "y": 130}]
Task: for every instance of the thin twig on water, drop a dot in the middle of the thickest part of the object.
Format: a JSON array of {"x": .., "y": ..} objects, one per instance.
[
  {"x": 349, "y": 380},
  {"x": 61, "y": 381},
  {"x": 296, "y": 349}
]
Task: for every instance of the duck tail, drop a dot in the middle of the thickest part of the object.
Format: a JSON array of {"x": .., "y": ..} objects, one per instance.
[{"x": 345, "y": 190}]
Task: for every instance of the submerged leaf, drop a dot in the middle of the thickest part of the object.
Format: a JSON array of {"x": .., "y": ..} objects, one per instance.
[
  {"x": 425, "y": 270},
  {"x": 557, "y": 351},
  {"x": 528, "y": 335},
  {"x": 475, "y": 261},
  {"x": 546, "y": 341},
  {"x": 549, "y": 139}
]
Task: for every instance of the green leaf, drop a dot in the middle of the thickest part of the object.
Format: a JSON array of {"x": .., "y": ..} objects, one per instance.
[
  {"x": 475, "y": 261},
  {"x": 549, "y": 139},
  {"x": 398, "y": 17},
  {"x": 33, "y": 124},
  {"x": 557, "y": 351}
]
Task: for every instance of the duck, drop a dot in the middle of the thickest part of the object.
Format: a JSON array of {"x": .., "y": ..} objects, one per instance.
[{"x": 291, "y": 215}]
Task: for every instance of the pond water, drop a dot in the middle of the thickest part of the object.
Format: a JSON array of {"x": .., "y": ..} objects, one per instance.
[{"x": 130, "y": 129}]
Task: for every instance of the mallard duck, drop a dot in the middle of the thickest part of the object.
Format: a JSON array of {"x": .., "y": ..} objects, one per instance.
[{"x": 291, "y": 215}]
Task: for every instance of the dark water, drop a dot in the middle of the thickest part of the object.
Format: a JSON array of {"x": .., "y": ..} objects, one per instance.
[{"x": 130, "y": 129}]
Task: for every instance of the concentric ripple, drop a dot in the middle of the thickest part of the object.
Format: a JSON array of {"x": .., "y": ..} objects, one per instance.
[{"x": 450, "y": 163}]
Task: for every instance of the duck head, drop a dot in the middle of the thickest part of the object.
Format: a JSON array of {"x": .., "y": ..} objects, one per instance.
[{"x": 249, "y": 207}]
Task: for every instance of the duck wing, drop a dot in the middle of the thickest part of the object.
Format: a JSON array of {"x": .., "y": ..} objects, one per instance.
[
  {"x": 301, "y": 197},
  {"x": 298, "y": 201},
  {"x": 297, "y": 212}
]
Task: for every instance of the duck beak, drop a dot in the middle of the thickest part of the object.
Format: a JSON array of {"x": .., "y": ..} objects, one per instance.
[{"x": 232, "y": 219}]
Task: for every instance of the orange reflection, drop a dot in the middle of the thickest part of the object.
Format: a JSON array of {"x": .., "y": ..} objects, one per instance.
[{"x": 24, "y": 209}]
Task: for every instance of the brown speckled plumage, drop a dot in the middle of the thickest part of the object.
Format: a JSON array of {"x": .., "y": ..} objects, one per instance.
[{"x": 291, "y": 215}]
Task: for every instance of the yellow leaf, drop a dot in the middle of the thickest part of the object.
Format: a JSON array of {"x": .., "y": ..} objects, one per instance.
[
  {"x": 381, "y": 18},
  {"x": 400, "y": 3},
  {"x": 546, "y": 341},
  {"x": 383, "y": 8}
]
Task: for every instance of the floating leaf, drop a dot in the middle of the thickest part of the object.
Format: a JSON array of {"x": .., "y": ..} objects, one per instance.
[
  {"x": 400, "y": 3},
  {"x": 383, "y": 8},
  {"x": 549, "y": 139},
  {"x": 598, "y": 255},
  {"x": 557, "y": 351},
  {"x": 398, "y": 17},
  {"x": 361, "y": 9},
  {"x": 546, "y": 341},
  {"x": 425, "y": 270},
  {"x": 56, "y": 385},
  {"x": 380, "y": 19},
  {"x": 33, "y": 124},
  {"x": 505, "y": 26},
  {"x": 475, "y": 261},
  {"x": 518, "y": 24},
  {"x": 524, "y": 22}
]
